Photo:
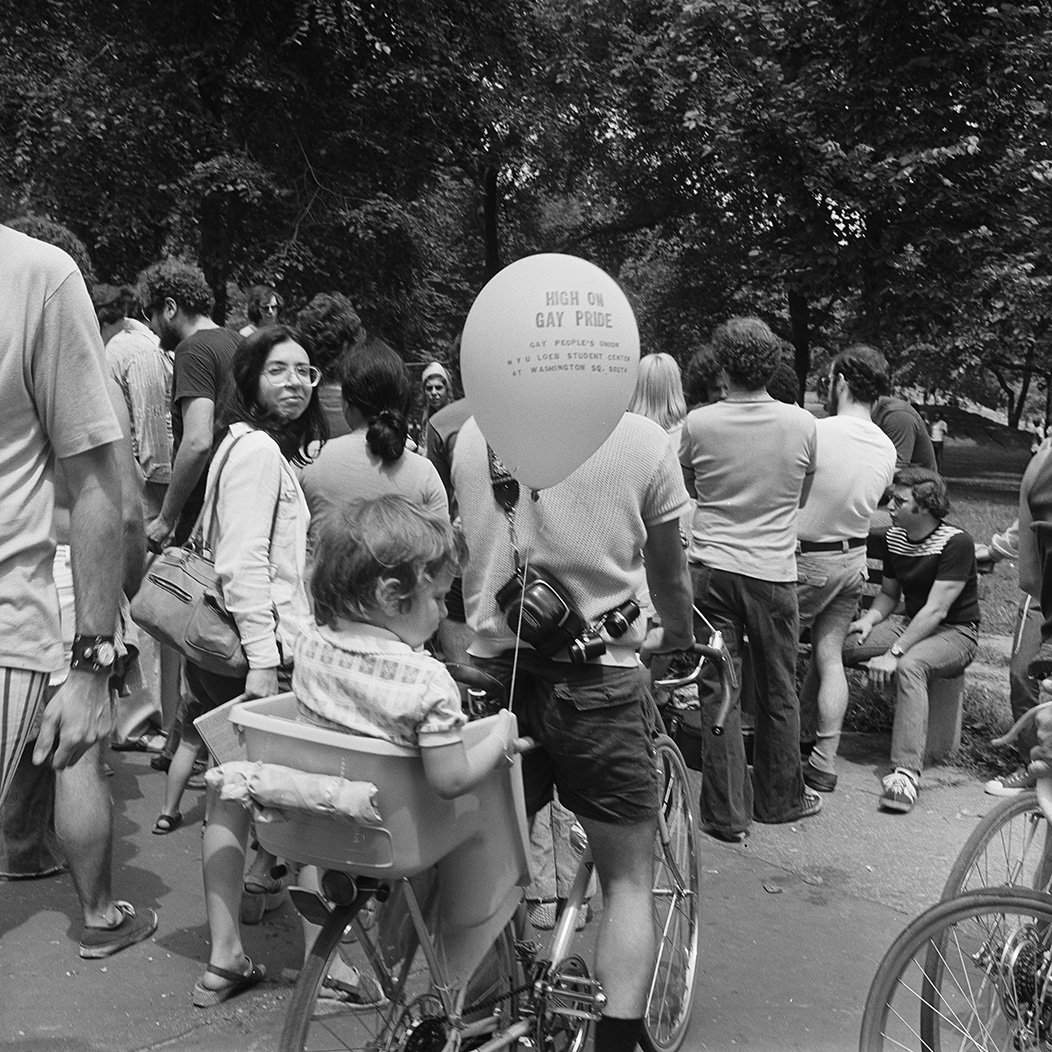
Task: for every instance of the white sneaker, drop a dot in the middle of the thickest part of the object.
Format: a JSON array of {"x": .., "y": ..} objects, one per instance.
[
  {"x": 900, "y": 790},
  {"x": 1011, "y": 784}
]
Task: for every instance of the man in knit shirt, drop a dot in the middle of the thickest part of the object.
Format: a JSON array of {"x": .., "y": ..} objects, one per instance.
[
  {"x": 749, "y": 460},
  {"x": 856, "y": 463},
  {"x": 931, "y": 566},
  {"x": 592, "y": 720}
]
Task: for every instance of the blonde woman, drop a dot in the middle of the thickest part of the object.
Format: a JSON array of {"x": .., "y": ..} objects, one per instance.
[{"x": 659, "y": 392}]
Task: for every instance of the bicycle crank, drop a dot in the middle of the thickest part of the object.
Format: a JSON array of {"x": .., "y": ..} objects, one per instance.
[{"x": 567, "y": 1000}]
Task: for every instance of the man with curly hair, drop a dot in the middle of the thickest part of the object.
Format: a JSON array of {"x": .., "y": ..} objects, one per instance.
[
  {"x": 748, "y": 461},
  {"x": 930, "y": 565},
  {"x": 331, "y": 327},
  {"x": 178, "y": 302}
]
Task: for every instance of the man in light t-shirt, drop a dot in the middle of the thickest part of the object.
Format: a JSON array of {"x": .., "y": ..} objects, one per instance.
[
  {"x": 749, "y": 460},
  {"x": 856, "y": 463}
]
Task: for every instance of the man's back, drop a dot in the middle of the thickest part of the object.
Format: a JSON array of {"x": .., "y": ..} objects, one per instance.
[
  {"x": 856, "y": 463},
  {"x": 749, "y": 459},
  {"x": 905, "y": 427}
]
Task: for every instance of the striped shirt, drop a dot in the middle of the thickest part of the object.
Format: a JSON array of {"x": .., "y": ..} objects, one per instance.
[
  {"x": 946, "y": 554},
  {"x": 365, "y": 680}
]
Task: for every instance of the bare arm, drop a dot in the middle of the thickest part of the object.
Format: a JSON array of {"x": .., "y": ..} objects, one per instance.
[
  {"x": 455, "y": 769},
  {"x": 670, "y": 590},
  {"x": 190, "y": 461},
  {"x": 134, "y": 539},
  {"x": 79, "y": 714},
  {"x": 883, "y": 605}
]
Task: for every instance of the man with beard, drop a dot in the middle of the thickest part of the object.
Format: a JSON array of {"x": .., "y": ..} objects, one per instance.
[
  {"x": 177, "y": 301},
  {"x": 856, "y": 463}
]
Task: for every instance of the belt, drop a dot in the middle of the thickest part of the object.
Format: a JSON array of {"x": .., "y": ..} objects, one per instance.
[{"x": 832, "y": 546}]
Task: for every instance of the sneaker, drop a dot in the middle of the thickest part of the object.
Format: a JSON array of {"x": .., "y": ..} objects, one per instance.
[
  {"x": 543, "y": 913},
  {"x": 900, "y": 791},
  {"x": 820, "y": 781},
  {"x": 1041, "y": 666},
  {"x": 133, "y": 927},
  {"x": 1011, "y": 784}
]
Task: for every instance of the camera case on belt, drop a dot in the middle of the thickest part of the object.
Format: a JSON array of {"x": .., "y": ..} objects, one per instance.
[{"x": 538, "y": 608}]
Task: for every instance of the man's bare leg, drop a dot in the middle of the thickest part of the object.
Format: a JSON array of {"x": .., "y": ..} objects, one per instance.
[
  {"x": 625, "y": 951},
  {"x": 84, "y": 824}
]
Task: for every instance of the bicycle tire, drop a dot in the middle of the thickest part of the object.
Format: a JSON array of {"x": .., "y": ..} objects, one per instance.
[
  {"x": 942, "y": 984},
  {"x": 1006, "y": 847},
  {"x": 355, "y": 1030},
  {"x": 677, "y": 908}
]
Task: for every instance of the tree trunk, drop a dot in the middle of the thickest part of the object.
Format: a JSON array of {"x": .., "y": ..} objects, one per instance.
[
  {"x": 490, "y": 209},
  {"x": 800, "y": 319}
]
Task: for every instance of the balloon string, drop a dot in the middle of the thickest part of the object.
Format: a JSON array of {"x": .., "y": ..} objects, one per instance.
[{"x": 518, "y": 638}]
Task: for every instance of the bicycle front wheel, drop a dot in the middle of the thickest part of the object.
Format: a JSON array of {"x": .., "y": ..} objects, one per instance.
[
  {"x": 411, "y": 1012},
  {"x": 971, "y": 973},
  {"x": 677, "y": 907},
  {"x": 1009, "y": 846}
]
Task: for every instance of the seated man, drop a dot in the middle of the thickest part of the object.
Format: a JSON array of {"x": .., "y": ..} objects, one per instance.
[{"x": 931, "y": 566}]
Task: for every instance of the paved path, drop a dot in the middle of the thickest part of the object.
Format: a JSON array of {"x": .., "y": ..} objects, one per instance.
[{"x": 795, "y": 922}]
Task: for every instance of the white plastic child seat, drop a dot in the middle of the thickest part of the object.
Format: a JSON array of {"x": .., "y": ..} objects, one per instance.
[{"x": 478, "y": 840}]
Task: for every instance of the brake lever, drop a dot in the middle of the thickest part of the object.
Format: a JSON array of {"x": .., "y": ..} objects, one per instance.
[{"x": 716, "y": 650}]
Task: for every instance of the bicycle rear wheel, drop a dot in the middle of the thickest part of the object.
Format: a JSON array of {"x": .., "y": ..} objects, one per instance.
[
  {"x": 1010, "y": 845},
  {"x": 413, "y": 1016},
  {"x": 971, "y": 973},
  {"x": 677, "y": 907}
]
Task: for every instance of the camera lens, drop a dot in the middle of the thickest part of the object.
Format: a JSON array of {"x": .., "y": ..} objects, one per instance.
[
  {"x": 618, "y": 621},
  {"x": 584, "y": 648}
]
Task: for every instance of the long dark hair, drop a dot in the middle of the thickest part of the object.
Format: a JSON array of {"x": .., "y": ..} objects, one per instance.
[
  {"x": 292, "y": 436},
  {"x": 376, "y": 383}
]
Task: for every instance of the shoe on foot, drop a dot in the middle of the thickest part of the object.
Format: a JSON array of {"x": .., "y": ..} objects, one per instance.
[
  {"x": 900, "y": 791},
  {"x": 1011, "y": 784},
  {"x": 736, "y": 836},
  {"x": 236, "y": 983},
  {"x": 359, "y": 993},
  {"x": 543, "y": 913},
  {"x": 130, "y": 929},
  {"x": 259, "y": 898},
  {"x": 820, "y": 781},
  {"x": 1041, "y": 666}
]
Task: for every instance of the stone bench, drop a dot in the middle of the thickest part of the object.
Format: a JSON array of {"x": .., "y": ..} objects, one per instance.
[{"x": 945, "y": 716}]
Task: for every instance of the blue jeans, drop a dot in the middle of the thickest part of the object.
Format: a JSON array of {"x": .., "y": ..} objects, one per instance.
[
  {"x": 946, "y": 653},
  {"x": 767, "y": 612}
]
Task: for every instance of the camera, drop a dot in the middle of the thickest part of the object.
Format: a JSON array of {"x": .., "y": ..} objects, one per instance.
[
  {"x": 538, "y": 608},
  {"x": 615, "y": 623}
]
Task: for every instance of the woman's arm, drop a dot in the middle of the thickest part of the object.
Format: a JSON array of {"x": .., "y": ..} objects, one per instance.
[{"x": 249, "y": 489}]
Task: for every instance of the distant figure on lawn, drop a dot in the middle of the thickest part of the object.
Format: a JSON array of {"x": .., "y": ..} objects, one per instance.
[{"x": 937, "y": 431}]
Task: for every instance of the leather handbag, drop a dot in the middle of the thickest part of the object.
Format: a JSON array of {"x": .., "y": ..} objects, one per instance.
[{"x": 180, "y": 601}]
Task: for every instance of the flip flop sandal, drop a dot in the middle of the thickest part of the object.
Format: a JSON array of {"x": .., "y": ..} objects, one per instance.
[
  {"x": 237, "y": 982},
  {"x": 166, "y": 824}
]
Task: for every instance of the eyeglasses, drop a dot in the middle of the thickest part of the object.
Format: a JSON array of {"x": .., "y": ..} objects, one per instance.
[
  {"x": 277, "y": 374},
  {"x": 269, "y": 308},
  {"x": 895, "y": 501}
]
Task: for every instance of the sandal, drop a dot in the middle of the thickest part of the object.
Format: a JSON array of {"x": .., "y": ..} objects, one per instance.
[
  {"x": 237, "y": 982},
  {"x": 362, "y": 996},
  {"x": 166, "y": 824},
  {"x": 258, "y": 899}
]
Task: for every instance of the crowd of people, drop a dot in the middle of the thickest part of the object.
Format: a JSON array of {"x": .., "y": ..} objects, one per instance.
[{"x": 349, "y": 530}]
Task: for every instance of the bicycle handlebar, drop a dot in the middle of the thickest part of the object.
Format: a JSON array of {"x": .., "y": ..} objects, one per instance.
[{"x": 715, "y": 651}]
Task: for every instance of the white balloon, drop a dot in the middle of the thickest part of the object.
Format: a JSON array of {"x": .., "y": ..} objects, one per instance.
[{"x": 549, "y": 358}]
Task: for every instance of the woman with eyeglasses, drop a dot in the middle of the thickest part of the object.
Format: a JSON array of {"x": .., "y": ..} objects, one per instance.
[
  {"x": 271, "y": 419},
  {"x": 263, "y": 307},
  {"x": 372, "y": 460}
]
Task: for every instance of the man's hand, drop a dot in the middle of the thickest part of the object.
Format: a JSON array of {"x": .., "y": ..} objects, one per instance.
[
  {"x": 659, "y": 649},
  {"x": 157, "y": 533},
  {"x": 882, "y": 670},
  {"x": 79, "y": 715},
  {"x": 261, "y": 683},
  {"x": 860, "y": 629}
]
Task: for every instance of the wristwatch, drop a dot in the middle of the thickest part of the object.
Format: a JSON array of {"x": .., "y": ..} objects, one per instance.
[
  {"x": 895, "y": 650},
  {"x": 93, "y": 654}
]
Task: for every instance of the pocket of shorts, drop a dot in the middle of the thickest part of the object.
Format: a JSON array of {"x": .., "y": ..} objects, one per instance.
[
  {"x": 605, "y": 695},
  {"x": 811, "y": 577}
]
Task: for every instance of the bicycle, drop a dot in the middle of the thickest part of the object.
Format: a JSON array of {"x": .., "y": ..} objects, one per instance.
[
  {"x": 457, "y": 974},
  {"x": 975, "y": 970}
]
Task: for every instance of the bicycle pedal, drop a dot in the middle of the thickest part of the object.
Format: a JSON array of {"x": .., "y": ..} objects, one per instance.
[{"x": 310, "y": 905}]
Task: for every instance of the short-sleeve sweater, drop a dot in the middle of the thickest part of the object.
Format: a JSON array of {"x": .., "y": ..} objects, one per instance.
[
  {"x": 589, "y": 530},
  {"x": 946, "y": 554}
]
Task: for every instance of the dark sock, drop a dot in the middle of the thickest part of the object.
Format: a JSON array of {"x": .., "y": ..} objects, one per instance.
[{"x": 617, "y": 1035}]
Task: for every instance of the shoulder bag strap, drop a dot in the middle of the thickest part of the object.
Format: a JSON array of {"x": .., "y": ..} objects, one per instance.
[{"x": 197, "y": 536}]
